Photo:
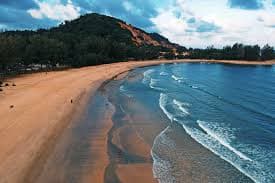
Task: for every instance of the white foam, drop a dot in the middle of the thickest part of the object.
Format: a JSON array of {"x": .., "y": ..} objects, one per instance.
[
  {"x": 179, "y": 79},
  {"x": 208, "y": 142},
  {"x": 181, "y": 106},
  {"x": 153, "y": 83},
  {"x": 147, "y": 75},
  {"x": 221, "y": 139},
  {"x": 123, "y": 90},
  {"x": 163, "y": 100},
  {"x": 161, "y": 167},
  {"x": 122, "y": 109},
  {"x": 181, "y": 103},
  {"x": 163, "y": 73}
]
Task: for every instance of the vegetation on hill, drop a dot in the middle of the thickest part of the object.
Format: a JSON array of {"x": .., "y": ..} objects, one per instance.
[
  {"x": 89, "y": 40},
  {"x": 96, "y": 39}
]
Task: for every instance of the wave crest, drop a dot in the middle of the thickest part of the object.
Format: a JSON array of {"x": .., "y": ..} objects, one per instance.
[
  {"x": 163, "y": 100},
  {"x": 153, "y": 83},
  {"x": 176, "y": 78},
  {"x": 182, "y": 106},
  {"x": 222, "y": 140},
  {"x": 147, "y": 75}
]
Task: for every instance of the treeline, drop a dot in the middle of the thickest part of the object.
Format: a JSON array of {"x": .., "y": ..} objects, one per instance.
[
  {"x": 90, "y": 40},
  {"x": 97, "y": 39},
  {"x": 235, "y": 52},
  {"x": 18, "y": 51}
]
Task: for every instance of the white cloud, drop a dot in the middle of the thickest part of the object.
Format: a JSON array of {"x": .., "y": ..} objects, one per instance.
[
  {"x": 172, "y": 22},
  {"x": 167, "y": 21},
  {"x": 235, "y": 25},
  {"x": 55, "y": 10},
  {"x": 268, "y": 19}
]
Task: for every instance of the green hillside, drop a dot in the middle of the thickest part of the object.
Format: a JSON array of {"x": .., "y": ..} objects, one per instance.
[{"x": 89, "y": 40}]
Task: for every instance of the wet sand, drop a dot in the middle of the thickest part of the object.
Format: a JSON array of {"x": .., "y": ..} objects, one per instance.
[
  {"x": 135, "y": 173},
  {"x": 80, "y": 154},
  {"x": 129, "y": 152},
  {"x": 42, "y": 110},
  {"x": 30, "y": 132}
]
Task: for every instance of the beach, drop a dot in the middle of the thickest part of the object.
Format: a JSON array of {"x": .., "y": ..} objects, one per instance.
[{"x": 40, "y": 109}]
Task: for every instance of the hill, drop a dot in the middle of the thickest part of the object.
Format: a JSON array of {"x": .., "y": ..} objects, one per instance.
[
  {"x": 113, "y": 28},
  {"x": 89, "y": 40}
]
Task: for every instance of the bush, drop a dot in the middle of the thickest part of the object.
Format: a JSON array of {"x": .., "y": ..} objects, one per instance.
[{"x": 7, "y": 84}]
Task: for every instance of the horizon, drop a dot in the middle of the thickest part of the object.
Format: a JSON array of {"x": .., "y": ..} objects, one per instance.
[{"x": 190, "y": 23}]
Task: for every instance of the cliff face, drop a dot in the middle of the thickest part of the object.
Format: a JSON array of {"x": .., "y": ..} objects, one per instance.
[{"x": 140, "y": 37}]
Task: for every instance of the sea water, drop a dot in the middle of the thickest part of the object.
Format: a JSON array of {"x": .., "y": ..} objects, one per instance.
[{"x": 227, "y": 109}]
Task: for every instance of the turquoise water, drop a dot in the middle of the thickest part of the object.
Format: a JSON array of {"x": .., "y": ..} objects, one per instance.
[{"x": 228, "y": 109}]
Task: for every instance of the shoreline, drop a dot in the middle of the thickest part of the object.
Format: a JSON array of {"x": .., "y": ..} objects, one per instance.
[
  {"x": 128, "y": 152},
  {"x": 211, "y": 172},
  {"x": 234, "y": 62},
  {"x": 42, "y": 109}
]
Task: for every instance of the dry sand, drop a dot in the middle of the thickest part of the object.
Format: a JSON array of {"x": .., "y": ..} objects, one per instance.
[{"x": 42, "y": 108}]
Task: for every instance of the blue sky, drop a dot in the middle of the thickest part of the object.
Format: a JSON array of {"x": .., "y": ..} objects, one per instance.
[{"x": 192, "y": 23}]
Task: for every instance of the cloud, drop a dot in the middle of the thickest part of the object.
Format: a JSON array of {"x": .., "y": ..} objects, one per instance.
[
  {"x": 181, "y": 25},
  {"x": 246, "y": 4},
  {"x": 268, "y": 19},
  {"x": 55, "y": 10},
  {"x": 202, "y": 26}
]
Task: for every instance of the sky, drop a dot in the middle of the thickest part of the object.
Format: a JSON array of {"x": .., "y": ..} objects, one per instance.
[{"x": 191, "y": 23}]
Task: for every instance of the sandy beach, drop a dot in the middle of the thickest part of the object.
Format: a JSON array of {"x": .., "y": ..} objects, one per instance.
[{"x": 36, "y": 111}]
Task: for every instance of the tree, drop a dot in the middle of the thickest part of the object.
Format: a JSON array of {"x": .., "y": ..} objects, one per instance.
[
  {"x": 267, "y": 53},
  {"x": 11, "y": 50},
  {"x": 252, "y": 52},
  {"x": 238, "y": 52}
]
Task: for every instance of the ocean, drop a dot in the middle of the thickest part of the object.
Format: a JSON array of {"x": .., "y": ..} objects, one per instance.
[{"x": 216, "y": 121}]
